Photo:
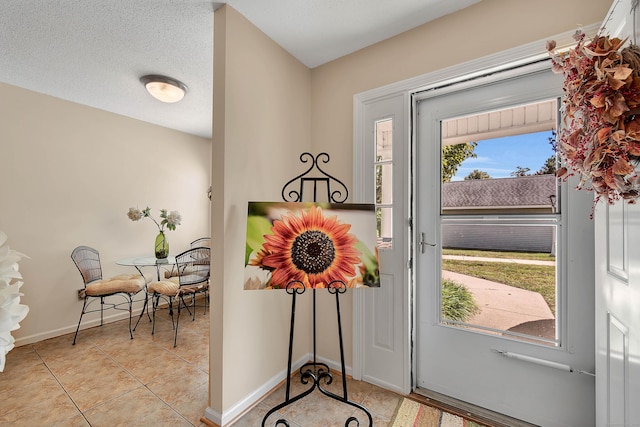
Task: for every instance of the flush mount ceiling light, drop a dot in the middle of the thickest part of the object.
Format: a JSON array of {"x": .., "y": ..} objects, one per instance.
[{"x": 164, "y": 88}]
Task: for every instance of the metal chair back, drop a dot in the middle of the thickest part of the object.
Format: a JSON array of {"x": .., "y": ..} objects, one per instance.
[
  {"x": 87, "y": 260},
  {"x": 201, "y": 242},
  {"x": 193, "y": 266}
]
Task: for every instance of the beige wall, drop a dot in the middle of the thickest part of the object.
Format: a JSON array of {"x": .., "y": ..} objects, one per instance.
[
  {"x": 485, "y": 28},
  {"x": 68, "y": 175},
  {"x": 261, "y": 125}
]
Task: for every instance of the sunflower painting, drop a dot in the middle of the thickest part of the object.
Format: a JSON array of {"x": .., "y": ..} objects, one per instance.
[{"x": 312, "y": 244}]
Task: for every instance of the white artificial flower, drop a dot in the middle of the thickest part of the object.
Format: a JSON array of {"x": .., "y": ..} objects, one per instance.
[
  {"x": 174, "y": 218},
  {"x": 135, "y": 214},
  {"x": 11, "y": 311},
  {"x": 6, "y": 344},
  {"x": 8, "y": 262},
  {"x": 168, "y": 220}
]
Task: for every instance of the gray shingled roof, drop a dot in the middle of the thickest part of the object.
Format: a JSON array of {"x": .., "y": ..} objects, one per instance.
[{"x": 533, "y": 190}]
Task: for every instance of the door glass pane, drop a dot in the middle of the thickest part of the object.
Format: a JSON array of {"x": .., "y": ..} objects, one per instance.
[
  {"x": 384, "y": 189},
  {"x": 384, "y": 181},
  {"x": 499, "y": 216},
  {"x": 384, "y": 139},
  {"x": 385, "y": 222}
]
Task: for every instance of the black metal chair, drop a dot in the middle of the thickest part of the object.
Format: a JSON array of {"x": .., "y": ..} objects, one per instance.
[
  {"x": 202, "y": 242},
  {"x": 193, "y": 270},
  {"x": 87, "y": 260}
]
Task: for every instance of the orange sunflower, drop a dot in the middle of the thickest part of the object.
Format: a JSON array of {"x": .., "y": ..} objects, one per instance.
[{"x": 311, "y": 249}]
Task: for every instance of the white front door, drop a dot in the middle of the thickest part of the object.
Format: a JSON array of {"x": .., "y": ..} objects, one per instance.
[
  {"x": 381, "y": 348},
  {"x": 508, "y": 372},
  {"x": 617, "y": 315},
  {"x": 618, "y": 289}
]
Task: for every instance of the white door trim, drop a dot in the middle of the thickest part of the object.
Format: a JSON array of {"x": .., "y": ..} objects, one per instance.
[{"x": 510, "y": 58}]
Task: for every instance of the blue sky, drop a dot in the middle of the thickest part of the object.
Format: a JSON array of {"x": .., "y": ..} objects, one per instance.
[{"x": 499, "y": 157}]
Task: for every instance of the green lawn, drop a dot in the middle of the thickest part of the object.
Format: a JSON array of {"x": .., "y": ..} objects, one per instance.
[
  {"x": 536, "y": 278},
  {"x": 500, "y": 254}
]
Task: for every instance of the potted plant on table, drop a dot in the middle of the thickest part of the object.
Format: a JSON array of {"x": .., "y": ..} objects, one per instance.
[{"x": 169, "y": 220}]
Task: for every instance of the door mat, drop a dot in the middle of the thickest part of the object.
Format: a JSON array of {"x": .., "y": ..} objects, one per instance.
[{"x": 410, "y": 413}]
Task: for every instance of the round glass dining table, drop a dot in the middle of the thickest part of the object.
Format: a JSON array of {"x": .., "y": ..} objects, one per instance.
[{"x": 148, "y": 261}]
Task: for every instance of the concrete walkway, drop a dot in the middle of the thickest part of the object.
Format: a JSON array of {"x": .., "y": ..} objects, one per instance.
[
  {"x": 501, "y": 306},
  {"x": 504, "y": 307},
  {"x": 509, "y": 260}
]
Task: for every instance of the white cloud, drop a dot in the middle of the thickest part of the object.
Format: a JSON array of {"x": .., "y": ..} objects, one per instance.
[{"x": 479, "y": 159}]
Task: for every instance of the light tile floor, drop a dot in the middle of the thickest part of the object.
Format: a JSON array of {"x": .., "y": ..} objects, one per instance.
[
  {"x": 315, "y": 409},
  {"x": 107, "y": 379}
]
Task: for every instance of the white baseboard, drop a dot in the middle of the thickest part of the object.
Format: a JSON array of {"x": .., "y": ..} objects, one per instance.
[
  {"x": 335, "y": 366},
  {"x": 254, "y": 397},
  {"x": 30, "y": 339},
  {"x": 110, "y": 317},
  {"x": 385, "y": 385}
]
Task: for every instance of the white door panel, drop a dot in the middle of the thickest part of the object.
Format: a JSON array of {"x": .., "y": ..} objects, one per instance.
[
  {"x": 617, "y": 315},
  {"x": 381, "y": 349},
  {"x": 617, "y": 272}
]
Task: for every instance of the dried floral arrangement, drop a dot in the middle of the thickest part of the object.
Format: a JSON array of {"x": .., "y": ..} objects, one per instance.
[{"x": 600, "y": 136}]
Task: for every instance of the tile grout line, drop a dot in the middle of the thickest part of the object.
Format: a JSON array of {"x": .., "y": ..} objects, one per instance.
[
  {"x": 162, "y": 348},
  {"x": 99, "y": 347},
  {"x": 139, "y": 380},
  {"x": 169, "y": 405},
  {"x": 57, "y": 364},
  {"x": 44, "y": 362}
]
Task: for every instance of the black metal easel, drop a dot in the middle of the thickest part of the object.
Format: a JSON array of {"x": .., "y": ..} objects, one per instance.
[{"x": 315, "y": 373}]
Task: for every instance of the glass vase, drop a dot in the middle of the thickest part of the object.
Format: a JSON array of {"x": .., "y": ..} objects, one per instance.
[{"x": 162, "y": 246}]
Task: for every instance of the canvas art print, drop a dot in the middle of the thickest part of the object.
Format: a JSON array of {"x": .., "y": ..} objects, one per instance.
[{"x": 315, "y": 245}]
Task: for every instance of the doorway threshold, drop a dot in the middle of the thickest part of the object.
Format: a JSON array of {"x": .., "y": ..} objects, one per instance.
[{"x": 466, "y": 410}]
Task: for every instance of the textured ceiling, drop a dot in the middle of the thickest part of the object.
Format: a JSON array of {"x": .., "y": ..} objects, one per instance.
[{"x": 93, "y": 52}]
